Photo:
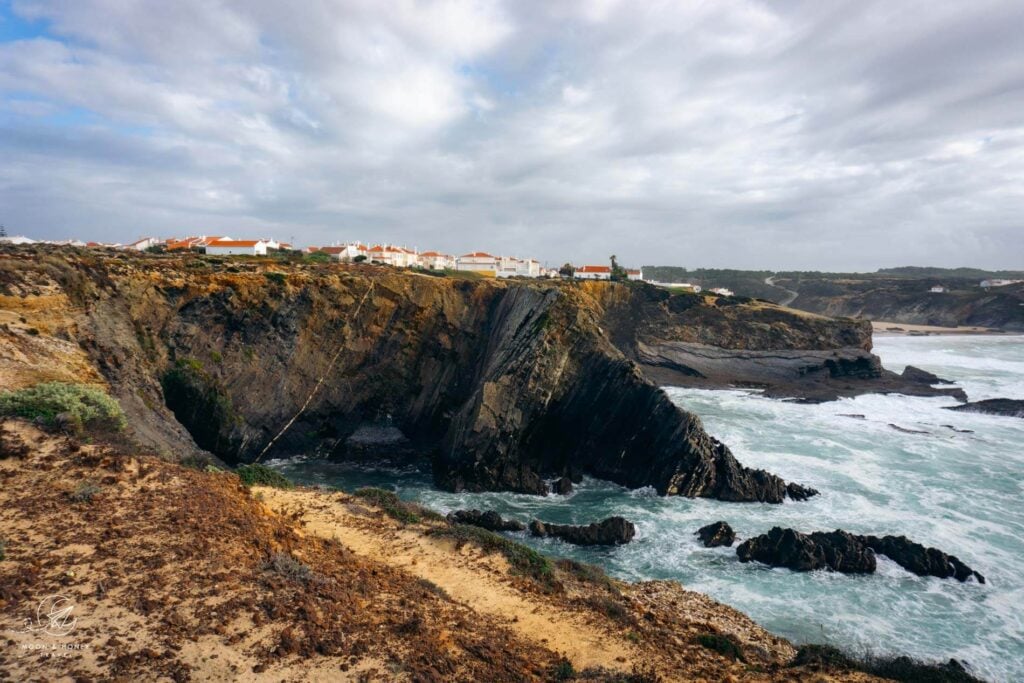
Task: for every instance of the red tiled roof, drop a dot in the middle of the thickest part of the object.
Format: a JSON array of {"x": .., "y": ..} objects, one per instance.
[
  {"x": 332, "y": 250},
  {"x": 477, "y": 254},
  {"x": 594, "y": 269},
  {"x": 435, "y": 253}
]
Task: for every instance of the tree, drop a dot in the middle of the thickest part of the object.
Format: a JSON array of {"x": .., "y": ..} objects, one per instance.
[
  {"x": 567, "y": 270},
  {"x": 619, "y": 273},
  {"x": 359, "y": 258}
]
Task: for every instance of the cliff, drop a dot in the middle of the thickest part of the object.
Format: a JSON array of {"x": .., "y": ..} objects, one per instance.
[{"x": 500, "y": 384}]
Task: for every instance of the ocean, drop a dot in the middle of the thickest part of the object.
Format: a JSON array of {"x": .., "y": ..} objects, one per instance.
[{"x": 958, "y": 486}]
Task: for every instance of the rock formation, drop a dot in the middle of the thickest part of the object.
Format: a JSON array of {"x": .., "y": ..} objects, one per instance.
[
  {"x": 499, "y": 385},
  {"x": 993, "y": 406},
  {"x": 488, "y": 519},
  {"x": 716, "y": 534},
  {"x": 611, "y": 531},
  {"x": 561, "y": 486},
  {"x": 849, "y": 553},
  {"x": 836, "y": 550}
]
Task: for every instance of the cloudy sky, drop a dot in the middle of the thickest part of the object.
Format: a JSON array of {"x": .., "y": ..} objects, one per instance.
[{"x": 820, "y": 135}]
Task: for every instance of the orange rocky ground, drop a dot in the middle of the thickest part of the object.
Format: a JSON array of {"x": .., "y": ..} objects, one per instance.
[{"x": 179, "y": 574}]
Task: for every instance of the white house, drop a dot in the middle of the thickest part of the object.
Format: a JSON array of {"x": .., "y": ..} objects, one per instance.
[
  {"x": 998, "y": 283},
  {"x": 144, "y": 244},
  {"x": 722, "y": 291},
  {"x": 594, "y": 272},
  {"x": 479, "y": 262},
  {"x": 237, "y": 248},
  {"x": 343, "y": 252},
  {"x": 937, "y": 289},
  {"x": 435, "y": 260},
  {"x": 634, "y": 274},
  {"x": 17, "y": 239},
  {"x": 193, "y": 242}
]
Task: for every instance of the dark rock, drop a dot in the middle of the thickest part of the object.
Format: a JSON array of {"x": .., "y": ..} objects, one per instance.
[
  {"x": 849, "y": 553},
  {"x": 489, "y": 520},
  {"x": 835, "y": 550},
  {"x": 717, "y": 534},
  {"x": 959, "y": 431},
  {"x": 994, "y": 406},
  {"x": 907, "y": 431},
  {"x": 561, "y": 486},
  {"x": 798, "y": 492},
  {"x": 856, "y": 416},
  {"x": 612, "y": 531},
  {"x": 912, "y": 374},
  {"x": 920, "y": 560}
]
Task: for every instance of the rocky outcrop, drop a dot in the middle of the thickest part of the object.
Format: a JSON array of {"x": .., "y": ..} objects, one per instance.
[
  {"x": 994, "y": 406},
  {"x": 836, "y": 550},
  {"x": 488, "y": 519},
  {"x": 920, "y": 560},
  {"x": 914, "y": 374},
  {"x": 716, "y": 535},
  {"x": 561, "y": 486},
  {"x": 611, "y": 531},
  {"x": 499, "y": 385},
  {"x": 849, "y": 553}
]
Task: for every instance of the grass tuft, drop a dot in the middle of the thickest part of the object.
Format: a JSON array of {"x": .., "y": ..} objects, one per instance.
[
  {"x": 261, "y": 475},
  {"x": 725, "y": 645},
  {"x": 85, "y": 492},
  {"x": 394, "y": 507},
  {"x": 524, "y": 559}
]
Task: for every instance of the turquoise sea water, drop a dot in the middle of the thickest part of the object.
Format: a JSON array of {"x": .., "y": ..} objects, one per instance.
[{"x": 960, "y": 492}]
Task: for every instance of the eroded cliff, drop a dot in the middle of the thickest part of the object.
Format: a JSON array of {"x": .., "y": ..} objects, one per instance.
[{"x": 500, "y": 384}]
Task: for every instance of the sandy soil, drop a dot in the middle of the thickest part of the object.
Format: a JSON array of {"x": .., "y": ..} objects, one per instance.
[
  {"x": 882, "y": 328},
  {"x": 176, "y": 574}
]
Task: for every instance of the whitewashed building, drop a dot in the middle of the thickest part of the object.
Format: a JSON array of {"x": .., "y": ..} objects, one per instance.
[
  {"x": 722, "y": 291},
  {"x": 435, "y": 260},
  {"x": 237, "y": 248},
  {"x": 144, "y": 244},
  {"x": 938, "y": 289},
  {"x": 594, "y": 272},
  {"x": 479, "y": 262}
]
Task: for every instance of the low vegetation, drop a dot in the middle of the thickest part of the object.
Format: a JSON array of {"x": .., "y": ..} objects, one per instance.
[
  {"x": 725, "y": 645},
  {"x": 292, "y": 569},
  {"x": 588, "y": 573},
  {"x": 3, "y": 549},
  {"x": 261, "y": 475},
  {"x": 524, "y": 559},
  {"x": 900, "y": 668},
  {"x": 62, "y": 404},
  {"x": 394, "y": 507},
  {"x": 85, "y": 491}
]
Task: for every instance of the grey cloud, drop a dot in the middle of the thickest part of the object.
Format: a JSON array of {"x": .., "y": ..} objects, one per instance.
[{"x": 744, "y": 134}]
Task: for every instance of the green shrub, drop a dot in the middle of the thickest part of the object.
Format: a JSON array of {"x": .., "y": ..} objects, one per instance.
[
  {"x": 587, "y": 573},
  {"x": 261, "y": 475},
  {"x": 524, "y": 559},
  {"x": 86, "y": 405},
  {"x": 290, "y": 568},
  {"x": 85, "y": 492},
  {"x": 318, "y": 257},
  {"x": 431, "y": 587},
  {"x": 611, "y": 608},
  {"x": 563, "y": 671},
  {"x": 722, "y": 644},
  {"x": 216, "y": 356},
  {"x": 276, "y": 278},
  {"x": 392, "y": 506}
]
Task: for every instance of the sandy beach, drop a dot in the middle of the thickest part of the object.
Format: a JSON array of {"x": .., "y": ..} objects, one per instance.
[{"x": 881, "y": 327}]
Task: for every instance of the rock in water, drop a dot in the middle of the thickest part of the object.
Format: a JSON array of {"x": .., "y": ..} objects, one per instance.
[
  {"x": 849, "y": 553},
  {"x": 912, "y": 374},
  {"x": 798, "y": 492},
  {"x": 612, "y": 531},
  {"x": 1007, "y": 407},
  {"x": 717, "y": 534},
  {"x": 489, "y": 520},
  {"x": 920, "y": 560},
  {"x": 835, "y": 550},
  {"x": 561, "y": 486}
]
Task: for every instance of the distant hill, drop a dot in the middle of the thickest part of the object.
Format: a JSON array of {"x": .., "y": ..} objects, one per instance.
[{"x": 901, "y": 295}]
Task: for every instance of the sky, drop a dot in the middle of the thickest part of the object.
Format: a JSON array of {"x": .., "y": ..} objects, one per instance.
[{"x": 771, "y": 135}]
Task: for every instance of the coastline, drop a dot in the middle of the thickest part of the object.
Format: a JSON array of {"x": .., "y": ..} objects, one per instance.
[{"x": 885, "y": 328}]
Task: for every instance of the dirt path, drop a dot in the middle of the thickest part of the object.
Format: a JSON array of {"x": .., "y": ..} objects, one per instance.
[
  {"x": 479, "y": 581},
  {"x": 790, "y": 294}
]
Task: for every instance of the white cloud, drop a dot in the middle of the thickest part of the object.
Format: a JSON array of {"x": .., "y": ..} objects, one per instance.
[{"x": 850, "y": 135}]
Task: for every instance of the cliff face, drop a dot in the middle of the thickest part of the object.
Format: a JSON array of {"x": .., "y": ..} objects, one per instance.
[{"x": 501, "y": 384}]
